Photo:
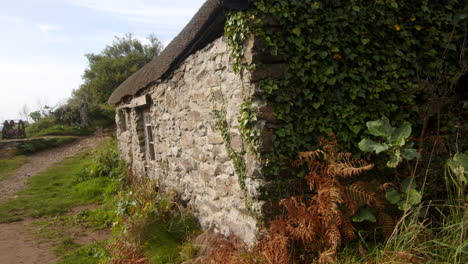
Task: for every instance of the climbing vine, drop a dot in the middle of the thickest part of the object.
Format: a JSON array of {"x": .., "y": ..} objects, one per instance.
[
  {"x": 349, "y": 62},
  {"x": 248, "y": 128}
]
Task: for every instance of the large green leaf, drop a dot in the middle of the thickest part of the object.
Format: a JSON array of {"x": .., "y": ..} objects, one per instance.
[
  {"x": 409, "y": 153},
  {"x": 399, "y": 135},
  {"x": 364, "y": 214},
  {"x": 368, "y": 145},
  {"x": 393, "y": 196},
  {"x": 380, "y": 128}
]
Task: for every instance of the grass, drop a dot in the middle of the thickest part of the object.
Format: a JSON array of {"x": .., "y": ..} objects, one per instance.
[
  {"x": 163, "y": 242},
  {"x": 38, "y": 130},
  {"x": 39, "y": 144},
  {"x": 8, "y": 166},
  {"x": 56, "y": 191},
  {"x": 65, "y": 246},
  {"x": 90, "y": 254}
]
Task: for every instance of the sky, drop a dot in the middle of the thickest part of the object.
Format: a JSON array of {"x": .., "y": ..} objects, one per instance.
[{"x": 43, "y": 42}]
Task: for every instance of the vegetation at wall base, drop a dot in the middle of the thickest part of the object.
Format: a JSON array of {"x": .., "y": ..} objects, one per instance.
[{"x": 349, "y": 63}]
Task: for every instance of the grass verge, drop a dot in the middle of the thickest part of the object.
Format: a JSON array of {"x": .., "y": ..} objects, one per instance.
[
  {"x": 38, "y": 144},
  {"x": 8, "y": 166},
  {"x": 57, "y": 190}
]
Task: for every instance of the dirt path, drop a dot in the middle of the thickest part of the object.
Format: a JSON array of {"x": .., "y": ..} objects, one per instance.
[
  {"x": 42, "y": 160},
  {"x": 19, "y": 244}
]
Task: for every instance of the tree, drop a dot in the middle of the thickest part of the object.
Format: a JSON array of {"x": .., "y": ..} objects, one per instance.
[{"x": 108, "y": 69}]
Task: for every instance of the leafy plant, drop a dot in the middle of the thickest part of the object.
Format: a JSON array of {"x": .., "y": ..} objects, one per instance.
[
  {"x": 106, "y": 162},
  {"x": 458, "y": 166},
  {"x": 405, "y": 198},
  {"x": 394, "y": 141},
  {"x": 321, "y": 220}
]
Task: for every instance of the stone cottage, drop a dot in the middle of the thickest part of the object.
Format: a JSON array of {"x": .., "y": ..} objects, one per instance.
[{"x": 168, "y": 129}]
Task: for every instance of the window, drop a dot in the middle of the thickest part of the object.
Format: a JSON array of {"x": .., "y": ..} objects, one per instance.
[{"x": 149, "y": 138}]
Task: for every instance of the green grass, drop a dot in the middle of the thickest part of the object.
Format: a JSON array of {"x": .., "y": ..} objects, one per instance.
[
  {"x": 65, "y": 246},
  {"x": 8, "y": 166},
  {"x": 57, "y": 190},
  {"x": 164, "y": 242},
  {"x": 90, "y": 254},
  {"x": 55, "y": 130},
  {"x": 39, "y": 144}
]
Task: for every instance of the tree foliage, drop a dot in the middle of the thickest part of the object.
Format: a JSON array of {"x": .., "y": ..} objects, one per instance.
[{"x": 109, "y": 68}]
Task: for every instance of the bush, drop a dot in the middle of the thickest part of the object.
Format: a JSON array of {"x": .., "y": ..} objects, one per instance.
[
  {"x": 55, "y": 130},
  {"x": 38, "y": 144}
]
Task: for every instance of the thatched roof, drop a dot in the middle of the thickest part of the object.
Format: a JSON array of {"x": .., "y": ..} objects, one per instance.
[{"x": 205, "y": 26}]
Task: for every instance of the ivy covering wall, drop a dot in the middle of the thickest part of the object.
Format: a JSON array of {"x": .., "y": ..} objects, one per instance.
[{"x": 349, "y": 62}]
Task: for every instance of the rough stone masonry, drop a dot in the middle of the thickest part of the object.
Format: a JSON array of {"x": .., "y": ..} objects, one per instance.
[{"x": 168, "y": 132}]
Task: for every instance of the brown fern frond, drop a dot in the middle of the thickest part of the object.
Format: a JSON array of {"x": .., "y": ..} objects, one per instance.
[
  {"x": 276, "y": 250},
  {"x": 344, "y": 156},
  {"x": 313, "y": 180},
  {"x": 359, "y": 192},
  {"x": 352, "y": 206},
  {"x": 327, "y": 256},
  {"x": 387, "y": 223},
  {"x": 310, "y": 158},
  {"x": 126, "y": 253},
  {"x": 385, "y": 186},
  {"x": 349, "y": 168},
  {"x": 348, "y": 229}
]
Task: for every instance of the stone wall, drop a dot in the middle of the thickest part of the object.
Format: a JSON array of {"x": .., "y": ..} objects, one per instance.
[
  {"x": 190, "y": 156},
  {"x": 8, "y": 148}
]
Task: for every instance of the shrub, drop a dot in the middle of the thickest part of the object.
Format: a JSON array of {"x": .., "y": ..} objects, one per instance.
[{"x": 39, "y": 144}]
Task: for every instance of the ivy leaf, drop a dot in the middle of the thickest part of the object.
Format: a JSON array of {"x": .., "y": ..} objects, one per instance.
[
  {"x": 409, "y": 153},
  {"x": 297, "y": 31},
  {"x": 380, "y": 128},
  {"x": 365, "y": 41},
  {"x": 364, "y": 214},
  {"x": 356, "y": 8},
  {"x": 316, "y": 105},
  {"x": 399, "y": 135},
  {"x": 368, "y": 145},
  {"x": 393, "y": 196}
]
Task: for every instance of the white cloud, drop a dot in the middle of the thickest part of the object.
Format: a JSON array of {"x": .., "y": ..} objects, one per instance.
[
  {"x": 46, "y": 28},
  {"x": 10, "y": 19}
]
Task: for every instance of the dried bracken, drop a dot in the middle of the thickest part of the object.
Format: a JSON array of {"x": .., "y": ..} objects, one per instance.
[
  {"x": 320, "y": 221},
  {"x": 126, "y": 253}
]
